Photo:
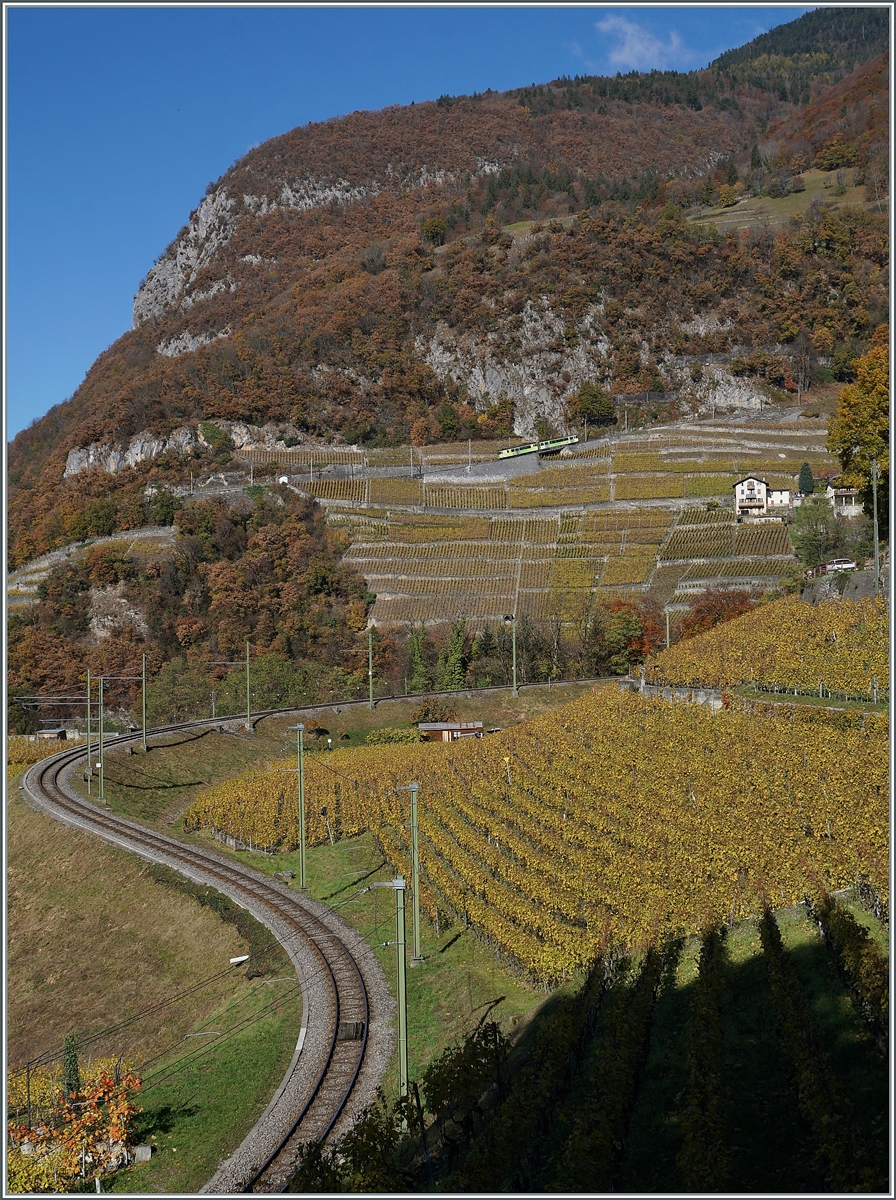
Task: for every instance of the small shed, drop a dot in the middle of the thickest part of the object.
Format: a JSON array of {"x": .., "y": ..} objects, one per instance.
[
  {"x": 449, "y": 731},
  {"x": 51, "y": 735}
]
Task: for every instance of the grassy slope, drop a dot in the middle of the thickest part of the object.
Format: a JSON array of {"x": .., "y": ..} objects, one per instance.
[
  {"x": 93, "y": 939},
  {"x": 196, "y": 1114},
  {"x": 755, "y": 211}
]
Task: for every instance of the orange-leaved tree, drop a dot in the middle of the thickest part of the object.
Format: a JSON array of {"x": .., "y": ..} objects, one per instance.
[
  {"x": 859, "y": 433},
  {"x": 84, "y": 1138}
]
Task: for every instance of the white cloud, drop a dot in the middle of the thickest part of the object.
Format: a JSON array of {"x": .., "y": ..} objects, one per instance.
[{"x": 638, "y": 49}]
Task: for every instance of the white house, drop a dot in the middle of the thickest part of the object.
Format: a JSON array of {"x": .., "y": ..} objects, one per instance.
[
  {"x": 754, "y": 498},
  {"x": 845, "y": 501}
]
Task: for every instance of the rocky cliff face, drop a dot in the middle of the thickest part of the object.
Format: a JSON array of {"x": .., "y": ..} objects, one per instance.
[
  {"x": 115, "y": 457},
  {"x": 210, "y": 228},
  {"x": 197, "y": 246}
]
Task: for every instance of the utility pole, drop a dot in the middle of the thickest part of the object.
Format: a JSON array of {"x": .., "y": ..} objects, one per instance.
[
  {"x": 402, "y": 990},
  {"x": 144, "y": 703},
  {"x": 402, "y": 986},
  {"x": 102, "y": 798},
  {"x": 89, "y": 759},
  {"x": 370, "y": 664},
  {"x": 416, "y": 957},
  {"x": 511, "y": 620},
  {"x": 874, "y": 474},
  {"x": 668, "y": 634},
  {"x": 516, "y": 690},
  {"x": 300, "y": 776},
  {"x": 248, "y": 700},
  {"x": 237, "y": 662}
]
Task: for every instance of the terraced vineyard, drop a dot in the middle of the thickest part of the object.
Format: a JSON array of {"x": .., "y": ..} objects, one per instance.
[{"x": 645, "y": 513}]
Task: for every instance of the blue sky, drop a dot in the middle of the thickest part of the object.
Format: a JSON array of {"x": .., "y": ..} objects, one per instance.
[{"x": 117, "y": 118}]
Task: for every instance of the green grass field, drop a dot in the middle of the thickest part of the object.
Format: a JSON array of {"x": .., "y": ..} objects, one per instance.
[
  {"x": 755, "y": 211},
  {"x": 96, "y": 937}
]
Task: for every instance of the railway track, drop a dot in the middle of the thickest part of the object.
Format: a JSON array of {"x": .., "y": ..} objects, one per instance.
[{"x": 344, "y": 1042}]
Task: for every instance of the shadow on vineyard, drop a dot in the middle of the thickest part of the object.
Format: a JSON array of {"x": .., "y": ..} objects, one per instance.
[{"x": 736, "y": 1061}]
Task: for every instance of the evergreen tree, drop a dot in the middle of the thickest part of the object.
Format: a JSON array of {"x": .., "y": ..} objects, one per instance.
[
  {"x": 418, "y": 677},
  {"x": 451, "y": 672},
  {"x": 71, "y": 1076},
  {"x": 806, "y": 482}
]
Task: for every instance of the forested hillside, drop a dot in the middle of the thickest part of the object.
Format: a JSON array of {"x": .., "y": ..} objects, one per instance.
[
  {"x": 266, "y": 570},
  {"x": 375, "y": 278}
]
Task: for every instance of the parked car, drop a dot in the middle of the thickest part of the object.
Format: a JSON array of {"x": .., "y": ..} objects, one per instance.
[{"x": 839, "y": 564}]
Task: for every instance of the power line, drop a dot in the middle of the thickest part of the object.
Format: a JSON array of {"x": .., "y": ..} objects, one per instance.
[{"x": 85, "y": 1040}]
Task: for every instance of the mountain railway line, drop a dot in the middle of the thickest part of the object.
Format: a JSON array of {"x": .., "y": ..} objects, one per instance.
[{"x": 344, "y": 1042}]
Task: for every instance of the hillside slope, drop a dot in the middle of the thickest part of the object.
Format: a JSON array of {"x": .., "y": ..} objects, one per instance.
[{"x": 351, "y": 278}]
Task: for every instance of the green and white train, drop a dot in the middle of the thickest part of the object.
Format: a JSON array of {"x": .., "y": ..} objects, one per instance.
[{"x": 548, "y": 447}]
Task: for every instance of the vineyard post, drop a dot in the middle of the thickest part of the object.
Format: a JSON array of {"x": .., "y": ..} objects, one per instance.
[
  {"x": 143, "y": 705},
  {"x": 28, "y": 1090},
  {"x": 100, "y": 720}
]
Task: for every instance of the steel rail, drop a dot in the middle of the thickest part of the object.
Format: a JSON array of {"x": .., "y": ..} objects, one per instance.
[{"x": 43, "y": 783}]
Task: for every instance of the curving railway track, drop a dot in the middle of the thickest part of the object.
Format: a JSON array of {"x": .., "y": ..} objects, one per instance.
[{"x": 345, "y": 1041}]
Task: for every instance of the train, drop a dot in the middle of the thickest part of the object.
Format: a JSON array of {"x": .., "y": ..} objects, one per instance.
[{"x": 552, "y": 446}]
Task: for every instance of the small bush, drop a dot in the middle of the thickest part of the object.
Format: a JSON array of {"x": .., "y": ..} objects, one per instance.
[{"x": 391, "y": 734}]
